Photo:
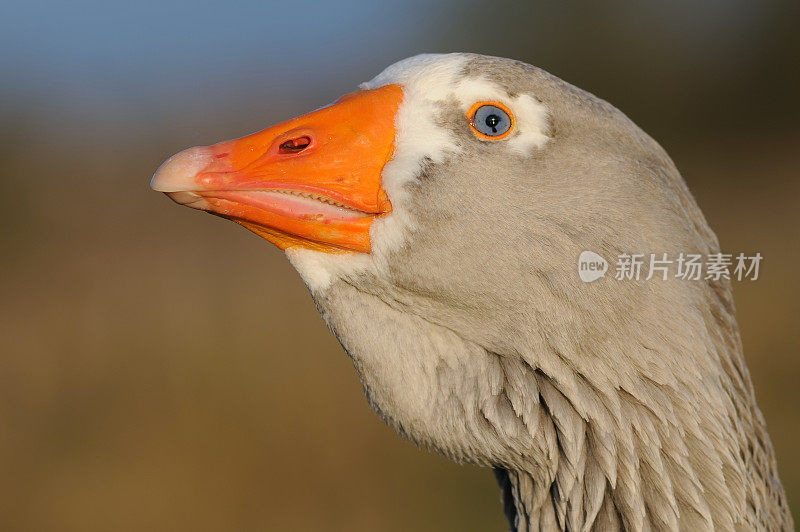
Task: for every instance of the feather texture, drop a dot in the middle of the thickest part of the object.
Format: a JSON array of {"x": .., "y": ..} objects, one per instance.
[{"x": 605, "y": 406}]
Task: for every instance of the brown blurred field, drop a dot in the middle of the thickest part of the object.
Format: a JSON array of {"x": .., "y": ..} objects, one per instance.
[{"x": 161, "y": 369}]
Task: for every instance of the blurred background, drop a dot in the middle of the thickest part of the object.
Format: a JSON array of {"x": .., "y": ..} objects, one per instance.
[{"x": 161, "y": 369}]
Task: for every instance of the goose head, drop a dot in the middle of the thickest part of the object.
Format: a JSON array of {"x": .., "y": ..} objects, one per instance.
[{"x": 437, "y": 214}]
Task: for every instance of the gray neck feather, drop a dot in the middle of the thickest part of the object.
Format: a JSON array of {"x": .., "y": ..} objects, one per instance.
[{"x": 572, "y": 449}]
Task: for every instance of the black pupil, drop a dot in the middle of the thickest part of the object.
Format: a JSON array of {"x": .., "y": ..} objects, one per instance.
[{"x": 492, "y": 121}]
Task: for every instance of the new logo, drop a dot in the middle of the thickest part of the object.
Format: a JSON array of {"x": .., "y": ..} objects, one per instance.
[{"x": 591, "y": 266}]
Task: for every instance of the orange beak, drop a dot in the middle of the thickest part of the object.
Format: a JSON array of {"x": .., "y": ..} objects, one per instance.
[{"x": 313, "y": 181}]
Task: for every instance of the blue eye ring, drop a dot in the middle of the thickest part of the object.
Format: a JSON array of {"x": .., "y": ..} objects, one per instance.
[{"x": 491, "y": 120}]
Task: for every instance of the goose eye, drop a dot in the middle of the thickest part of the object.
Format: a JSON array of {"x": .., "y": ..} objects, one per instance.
[{"x": 491, "y": 120}]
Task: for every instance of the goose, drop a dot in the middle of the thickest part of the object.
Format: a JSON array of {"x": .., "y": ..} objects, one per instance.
[{"x": 436, "y": 214}]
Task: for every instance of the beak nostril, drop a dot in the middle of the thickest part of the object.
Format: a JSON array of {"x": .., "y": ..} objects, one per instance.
[{"x": 295, "y": 145}]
